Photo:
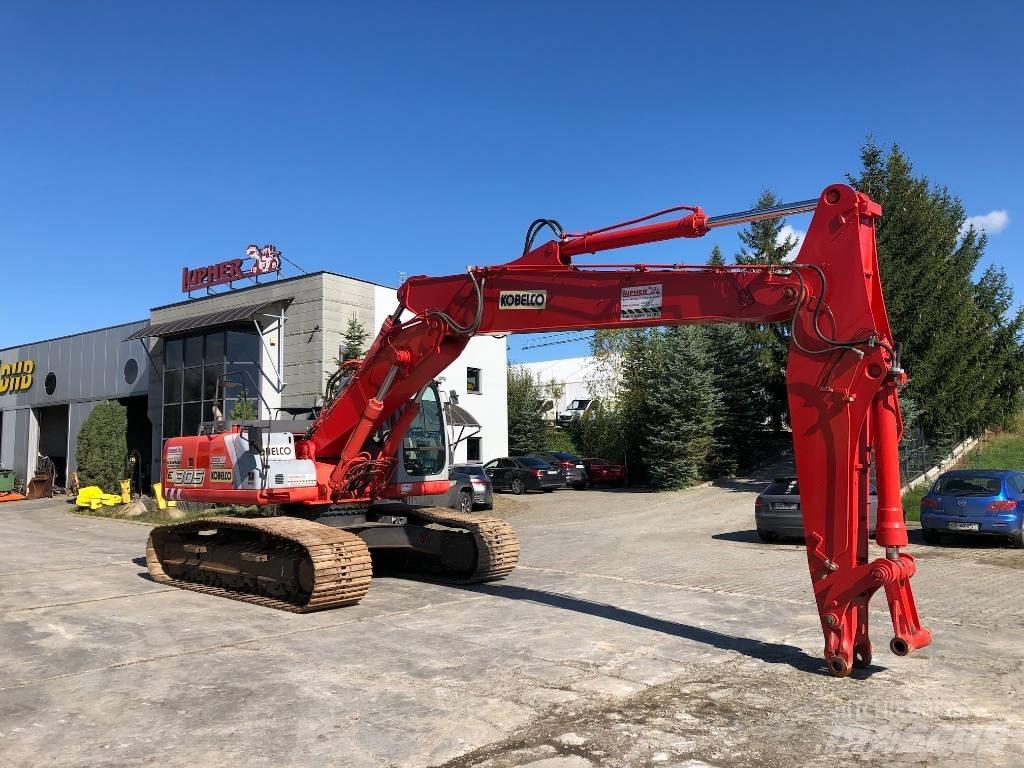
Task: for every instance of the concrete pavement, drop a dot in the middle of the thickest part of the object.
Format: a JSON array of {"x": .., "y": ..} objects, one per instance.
[{"x": 641, "y": 629}]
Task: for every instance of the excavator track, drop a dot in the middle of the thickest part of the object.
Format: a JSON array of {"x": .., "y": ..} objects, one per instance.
[
  {"x": 497, "y": 545},
  {"x": 279, "y": 562}
]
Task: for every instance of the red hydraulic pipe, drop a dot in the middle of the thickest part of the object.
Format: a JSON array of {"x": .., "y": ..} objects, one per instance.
[
  {"x": 692, "y": 225},
  {"x": 890, "y": 529}
]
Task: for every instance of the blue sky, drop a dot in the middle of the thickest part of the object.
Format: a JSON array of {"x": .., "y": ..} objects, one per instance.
[{"x": 374, "y": 139}]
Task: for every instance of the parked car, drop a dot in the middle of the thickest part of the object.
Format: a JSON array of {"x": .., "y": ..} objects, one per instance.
[
  {"x": 571, "y": 467},
  {"x": 471, "y": 488},
  {"x": 979, "y": 502},
  {"x": 522, "y": 474},
  {"x": 604, "y": 471},
  {"x": 777, "y": 511},
  {"x": 576, "y": 409}
]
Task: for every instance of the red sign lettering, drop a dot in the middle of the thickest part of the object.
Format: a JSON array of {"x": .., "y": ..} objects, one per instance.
[{"x": 265, "y": 260}]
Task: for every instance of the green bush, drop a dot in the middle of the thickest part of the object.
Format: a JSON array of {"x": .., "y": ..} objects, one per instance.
[
  {"x": 103, "y": 447},
  {"x": 556, "y": 439}
]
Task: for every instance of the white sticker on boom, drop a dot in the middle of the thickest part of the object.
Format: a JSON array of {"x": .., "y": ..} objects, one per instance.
[
  {"x": 523, "y": 300},
  {"x": 641, "y": 302}
]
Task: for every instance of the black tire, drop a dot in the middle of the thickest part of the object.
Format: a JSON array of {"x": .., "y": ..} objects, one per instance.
[
  {"x": 579, "y": 486},
  {"x": 517, "y": 486},
  {"x": 1017, "y": 541},
  {"x": 931, "y": 536},
  {"x": 465, "y": 501},
  {"x": 767, "y": 536},
  {"x": 548, "y": 490}
]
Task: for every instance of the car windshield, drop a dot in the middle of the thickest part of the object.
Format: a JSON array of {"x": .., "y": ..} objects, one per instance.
[
  {"x": 564, "y": 456},
  {"x": 597, "y": 461},
  {"x": 783, "y": 486},
  {"x": 471, "y": 469},
  {"x": 969, "y": 485},
  {"x": 578, "y": 405},
  {"x": 530, "y": 461}
]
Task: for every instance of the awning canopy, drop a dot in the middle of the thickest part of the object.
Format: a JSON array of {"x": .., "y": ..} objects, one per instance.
[
  {"x": 211, "y": 320},
  {"x": 460, "y": 417}
]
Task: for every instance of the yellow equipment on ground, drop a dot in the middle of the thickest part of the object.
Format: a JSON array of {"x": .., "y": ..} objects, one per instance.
[{"x": 93, "y": 497}]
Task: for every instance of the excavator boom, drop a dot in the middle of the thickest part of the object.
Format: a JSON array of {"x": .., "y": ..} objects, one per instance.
[{"x": 843, "y": 379}]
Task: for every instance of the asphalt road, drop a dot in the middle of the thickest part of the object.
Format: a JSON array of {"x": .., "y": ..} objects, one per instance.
[{"x": 641, "y": 629}]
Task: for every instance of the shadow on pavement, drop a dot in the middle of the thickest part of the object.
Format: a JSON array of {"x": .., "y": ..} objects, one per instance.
[
  {"x": 751, "y": 537},
  {"x": 772, "y": 653}
]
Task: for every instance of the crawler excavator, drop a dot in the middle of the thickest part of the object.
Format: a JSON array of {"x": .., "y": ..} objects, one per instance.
[{"x": 340, "y": 482}]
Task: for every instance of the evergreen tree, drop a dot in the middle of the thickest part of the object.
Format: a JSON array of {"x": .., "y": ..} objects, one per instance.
[
  {"x": 764, "y": 243},
  {"x": 103, "y": 447},
  {"x": 526, "y": 428},
  {"x": 716, "y": 259},
  {"x": 354, "y": 339},
  {"x": 951, "y": 327},
  {"x": 684, "y": 411},
  {"x": 741, "y": 437},
  {"x": 640, "y": 357}
]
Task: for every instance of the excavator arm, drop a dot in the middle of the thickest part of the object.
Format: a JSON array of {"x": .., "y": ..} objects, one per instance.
[{"x": 843, "y": 377}]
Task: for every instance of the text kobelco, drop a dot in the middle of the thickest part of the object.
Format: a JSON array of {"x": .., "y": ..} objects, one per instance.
[{"x": 522, "y": 300}]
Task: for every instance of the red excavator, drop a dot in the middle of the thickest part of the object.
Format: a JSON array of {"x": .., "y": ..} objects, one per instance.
[{"x": 345, "y": 484}]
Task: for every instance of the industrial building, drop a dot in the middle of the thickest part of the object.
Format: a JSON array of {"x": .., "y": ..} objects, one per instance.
[{"x": 257, "y": 346}]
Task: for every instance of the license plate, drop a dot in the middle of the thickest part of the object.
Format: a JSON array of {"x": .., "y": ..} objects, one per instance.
[
  {"x": 580, "y": 466},
  {"x": 785, "y": 506},
  {"x": 553, "y": 472},
  {"x": 963, "y": 526}
]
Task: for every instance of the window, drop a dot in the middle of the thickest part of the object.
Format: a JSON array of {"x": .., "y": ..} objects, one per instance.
[
  {"x": 204, "y": 372},
  {"x": 50, "y": 384},
  {"x": 473, "y": 380},
  {"x": 472, "y": 449},
  {"x": 423, "y": 450},
  {"x": 131, "y": 371}
]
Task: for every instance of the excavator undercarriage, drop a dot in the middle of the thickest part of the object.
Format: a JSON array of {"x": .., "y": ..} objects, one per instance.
[{"x": 301, "y": 566}]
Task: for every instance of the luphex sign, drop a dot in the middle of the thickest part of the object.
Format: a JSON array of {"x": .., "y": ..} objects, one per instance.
[
  {"x": 16, "y": 376},
  {"x": 258, "y": 261}
]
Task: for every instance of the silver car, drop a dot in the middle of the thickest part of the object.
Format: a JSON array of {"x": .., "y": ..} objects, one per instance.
[
  {"x": 777, "y": 511},
  {"x": 471, "y": 488}
]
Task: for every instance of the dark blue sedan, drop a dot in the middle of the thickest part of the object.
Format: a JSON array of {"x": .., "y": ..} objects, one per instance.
[{"x": 978, "y": 502}]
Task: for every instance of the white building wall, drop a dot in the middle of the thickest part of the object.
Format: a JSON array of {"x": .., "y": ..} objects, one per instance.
[
  {"x": 579, "y": 376},
  {"x": 490, "y": 404}
]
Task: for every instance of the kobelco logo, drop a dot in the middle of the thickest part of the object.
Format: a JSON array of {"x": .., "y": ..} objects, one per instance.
[{"x": 523, "y": 300}]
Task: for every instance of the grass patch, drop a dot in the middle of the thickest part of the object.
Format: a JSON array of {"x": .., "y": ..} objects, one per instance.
[{"x": 1004, "y": 450}]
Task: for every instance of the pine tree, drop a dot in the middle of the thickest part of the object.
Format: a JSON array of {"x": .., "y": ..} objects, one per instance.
[
  {"x": 716, "y": 259},
  {"x": 684, "y": 411},
  {"x": 355, "y": 339},
  {"x": 526, "y": 428},
  {"x": 741, "y": 437},
  {"x": 947, "y": 323},
  {"x": 764, "y": 243}
]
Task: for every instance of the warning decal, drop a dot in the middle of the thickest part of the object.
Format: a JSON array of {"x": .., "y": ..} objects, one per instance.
[{"x": 641, "y": 302}]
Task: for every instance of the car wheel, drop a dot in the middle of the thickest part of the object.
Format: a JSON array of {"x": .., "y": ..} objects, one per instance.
[
  {"x": 579, "y": 486},
  {"x": 767, "y": 536},
  {"x": 1018, "y": 540},
  {"x": 518, "y": 487},
  {"x": 931, "y": 536},
  {"x": 465, "y": 501}
]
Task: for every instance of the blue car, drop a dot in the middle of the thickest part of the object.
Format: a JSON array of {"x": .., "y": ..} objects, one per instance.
[{"x": 978, "y": 502}]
